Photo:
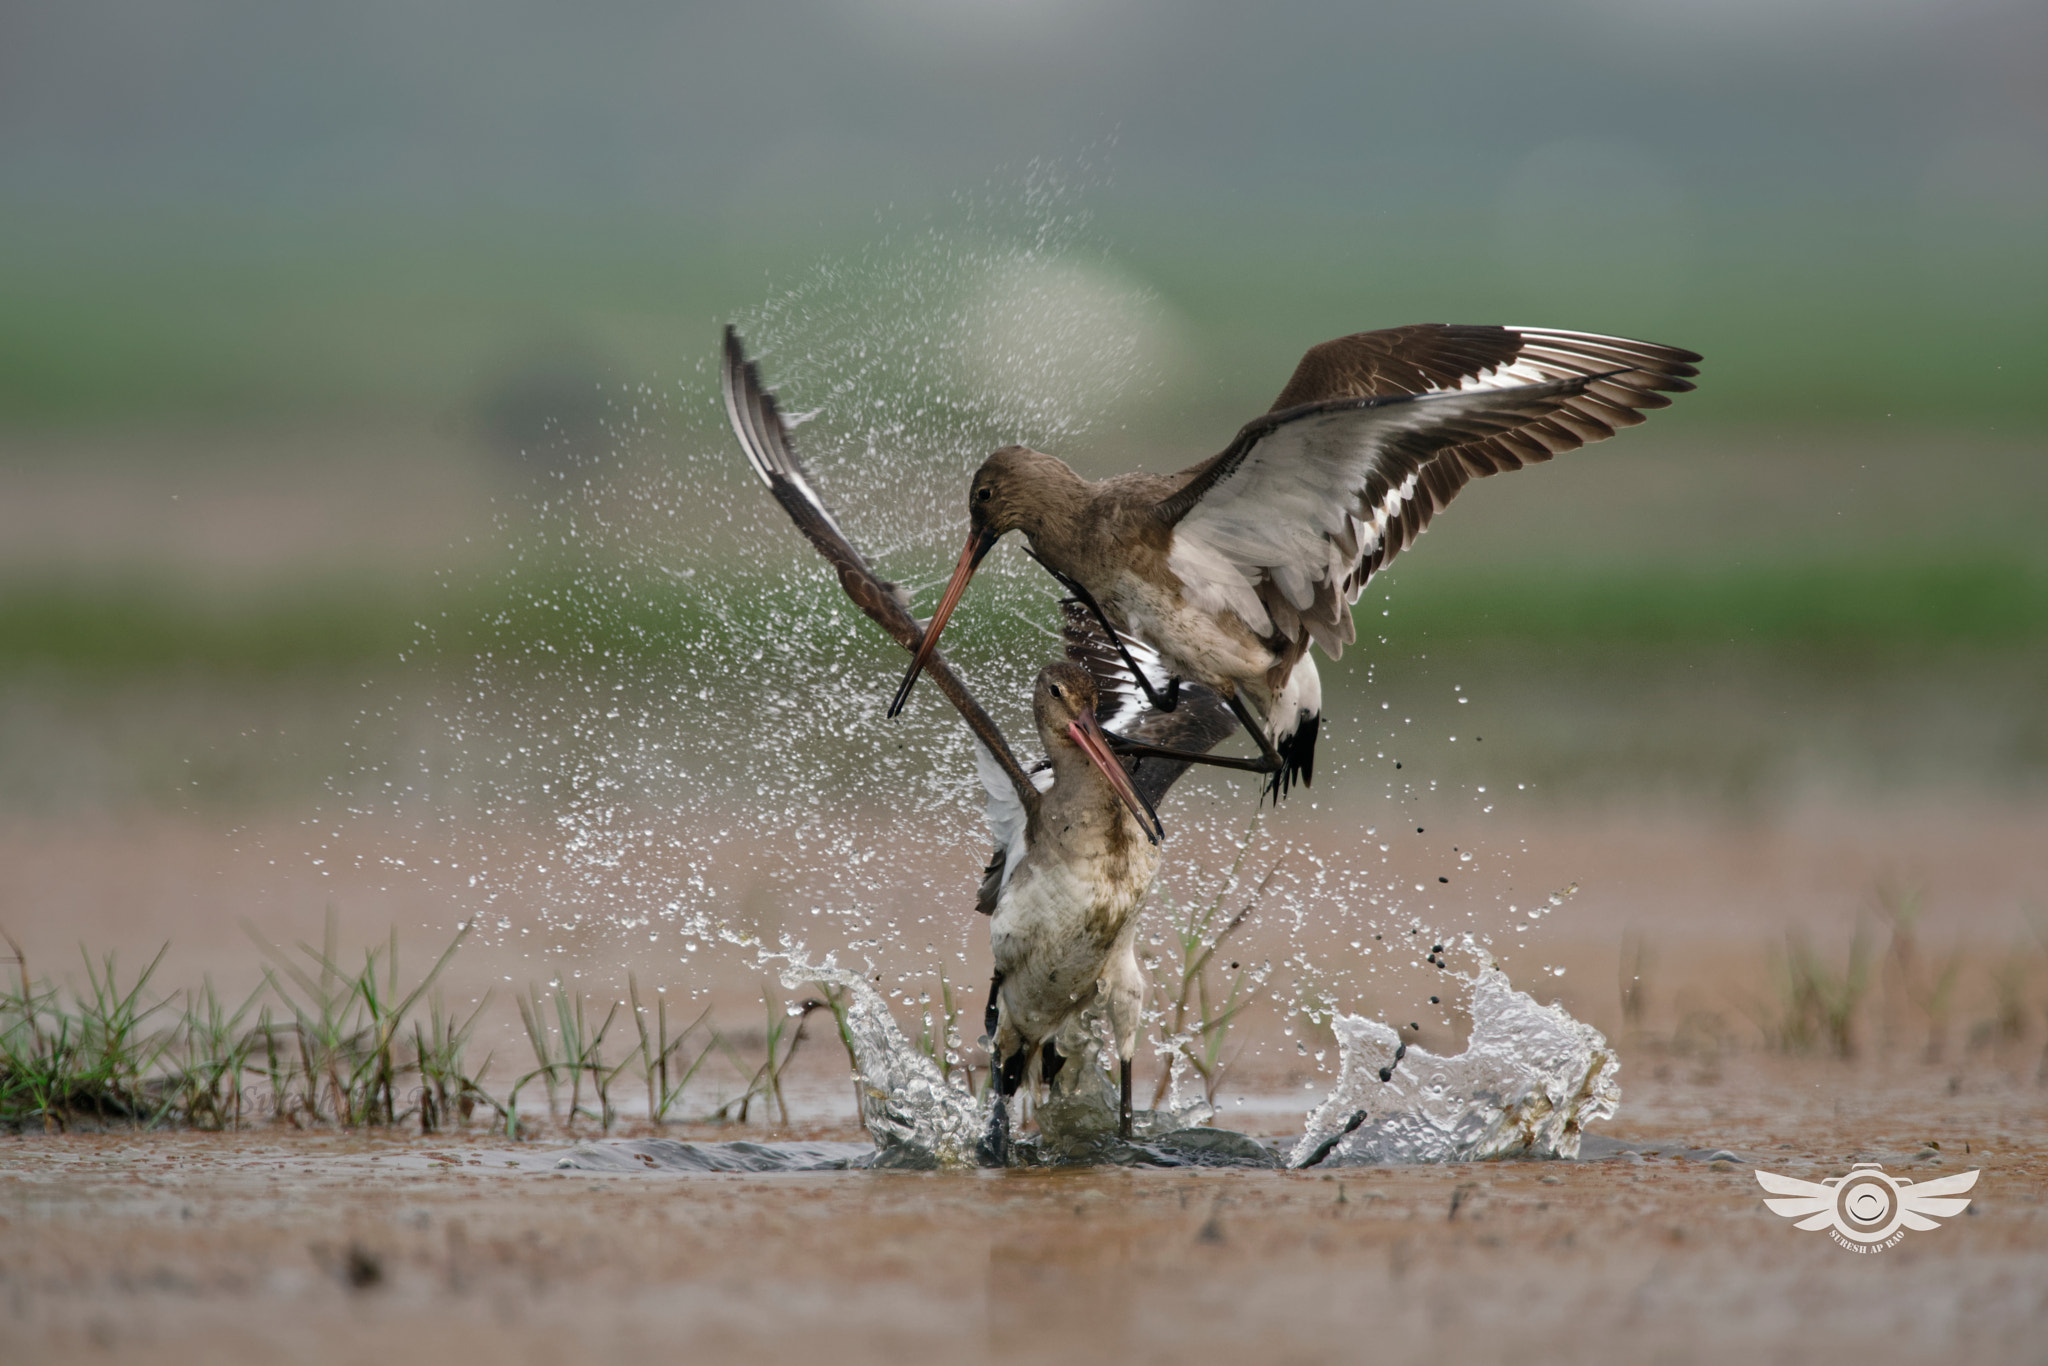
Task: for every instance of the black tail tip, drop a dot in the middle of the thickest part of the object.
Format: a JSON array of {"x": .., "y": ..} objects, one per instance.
[{"x": 1297, "y": 751}]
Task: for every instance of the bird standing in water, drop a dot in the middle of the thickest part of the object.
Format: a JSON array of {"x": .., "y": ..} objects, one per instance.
[
  {"x": 1231, "y": 568},
  {"x": 1064, "y": 888},
  {"x": 1069, "y": 874}
]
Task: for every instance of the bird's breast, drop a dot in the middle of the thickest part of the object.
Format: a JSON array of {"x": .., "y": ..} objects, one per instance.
[
  {"x": 1198, "y": 632},
  {"x": 1069, "y": 908},
  {"x": 1053, "y": 935}
]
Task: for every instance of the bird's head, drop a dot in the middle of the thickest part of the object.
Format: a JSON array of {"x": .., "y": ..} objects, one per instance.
[
  {"x": 1063, "y": 704},
  {"x": 1014, "y": 490},
  {"x": 1010, "y": 491},
  {"x": 1064, "y": 696}
]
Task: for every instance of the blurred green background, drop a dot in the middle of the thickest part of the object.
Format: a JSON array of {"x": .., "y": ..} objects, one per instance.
[{"x": 292, "y": 301}]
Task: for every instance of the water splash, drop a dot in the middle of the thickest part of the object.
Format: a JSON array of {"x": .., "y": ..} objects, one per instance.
[
  {"x": 667, "y": 733},
  {"x": 1530, "y": 1080},
  {"x": 669, "y": 717},
  {"x": 917, "y": 1117}
]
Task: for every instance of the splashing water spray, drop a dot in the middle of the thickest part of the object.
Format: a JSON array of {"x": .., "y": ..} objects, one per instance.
[{"x": 669, "y": 735}]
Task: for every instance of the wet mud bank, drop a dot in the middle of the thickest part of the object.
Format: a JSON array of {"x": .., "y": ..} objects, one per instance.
[{"x": 271, "y": 1246}]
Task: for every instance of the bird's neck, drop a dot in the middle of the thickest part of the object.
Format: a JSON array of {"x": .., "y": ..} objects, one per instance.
[
  {"x": 1057, "y": 515},
  {"x": 1082, "y": 806}
]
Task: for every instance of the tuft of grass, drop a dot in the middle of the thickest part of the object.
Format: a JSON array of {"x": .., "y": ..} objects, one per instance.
[
  {"x": 1814, "y": 1004},
  {"x": 835, "y": 999},
  {"x": 321, "y": 1046},
  {"x": 345, "y": 1030},
  {"x": 447, "y": 1085},
  {"x": 1636, "y": 964},
  {"x": 1914, "y": 983},
  {"x": 115, "y": 1054},
  {"x": 1204, "y": 1007},
  {"x": 97, "y": 1059},
  {"x": 766, "y": 1082},
  {"x": 217, "y": 1049},
  {"x": 572, "y": 1049},
  {"x": 939, "y": 1034},
  {"x": 661, "y": 1056}
]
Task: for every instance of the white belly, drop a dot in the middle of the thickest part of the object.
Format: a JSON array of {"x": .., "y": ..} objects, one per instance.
[{"x": 1056, "y": 929}]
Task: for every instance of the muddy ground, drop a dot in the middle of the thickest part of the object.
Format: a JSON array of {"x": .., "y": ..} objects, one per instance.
[{"x": 278, "y": 1246}]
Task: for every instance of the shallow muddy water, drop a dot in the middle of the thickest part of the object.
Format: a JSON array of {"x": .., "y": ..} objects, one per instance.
[{"x": 270, "y": 1246}]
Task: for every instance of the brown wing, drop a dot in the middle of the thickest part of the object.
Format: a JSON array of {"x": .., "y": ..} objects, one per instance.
[
  {"x": 1316, "y": 496},
  {"x": 756, "y": 421},
  {"x": 1426, "y": 357}
]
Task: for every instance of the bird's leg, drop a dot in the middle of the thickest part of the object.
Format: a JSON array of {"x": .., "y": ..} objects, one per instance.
[
  {"x": 1272, "y": 762},
  {"x": 1269, "y": 760},
  {"x": 1123, "y": 1107},
  {"x": 995, "y": 1144},
  {"x": 1267, "y": 754},
  {"x": 1138, "y": 749},
  {"x": 1165, "y": 701},
  {"x": 1009, "y": 1075},
  {"x": 1161, "y": 701}
]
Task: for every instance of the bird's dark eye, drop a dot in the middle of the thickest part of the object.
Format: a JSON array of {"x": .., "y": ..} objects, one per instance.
[
  {"x": 984, "y": 495},
  {"x": 1055, "y": 690}
]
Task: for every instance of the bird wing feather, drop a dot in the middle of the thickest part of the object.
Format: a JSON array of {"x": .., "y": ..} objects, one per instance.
[
  {"x": 1375, "y": 434},
  {"x": 757, "y": 422},
  {"x": 1201, "y": 721},
  {"x": 1008, "y": 824}
]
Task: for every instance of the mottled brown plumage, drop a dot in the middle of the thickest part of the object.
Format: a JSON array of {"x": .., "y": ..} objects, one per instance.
[{"x": 1233, "y": 566}]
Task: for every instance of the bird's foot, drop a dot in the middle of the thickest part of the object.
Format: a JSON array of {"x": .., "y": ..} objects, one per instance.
[
  {"x": 1123, "y": 1106},
  {"x": 994, "y": 1149}
]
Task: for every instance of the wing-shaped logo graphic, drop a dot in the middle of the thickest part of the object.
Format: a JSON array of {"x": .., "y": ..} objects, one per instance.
[
  {"x": 1868, "y": 1205},
  {"x": 1810, "y": 1202},
  {"x": 1927, "y": 1201}
]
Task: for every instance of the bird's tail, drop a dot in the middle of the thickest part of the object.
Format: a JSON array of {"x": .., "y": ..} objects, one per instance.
[{"x": 1292, "y": 725}]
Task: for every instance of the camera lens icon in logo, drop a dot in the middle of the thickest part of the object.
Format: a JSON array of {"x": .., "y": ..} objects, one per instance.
[{"x": 1867, "y": 1206}]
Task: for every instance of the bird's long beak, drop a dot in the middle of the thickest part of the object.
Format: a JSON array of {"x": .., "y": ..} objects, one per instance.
[
  {"x": 979, "y": 542},
  {"x": 1088, "y": 735}
]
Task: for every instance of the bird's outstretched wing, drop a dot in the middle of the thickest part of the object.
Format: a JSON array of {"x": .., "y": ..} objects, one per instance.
[
  {"x": 762, "y": 434},
  {"x": 1810, "y": 1202},
  {"x": 1433, "y": 357},
  {"x": 1922, "y": 1202},
  {"x": 1007, "y": 823},
  {"x": 1201, "y": 721},
  {"x": 1373, "y": 436}
]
